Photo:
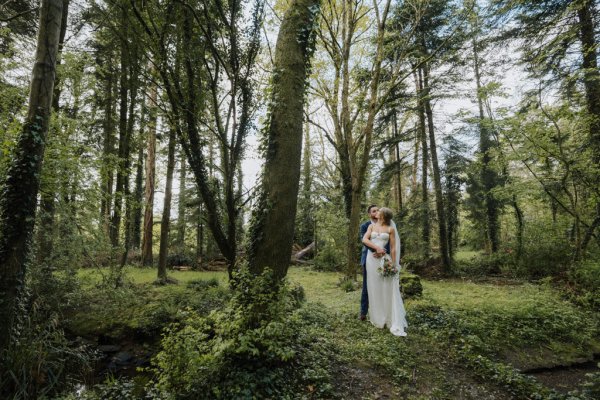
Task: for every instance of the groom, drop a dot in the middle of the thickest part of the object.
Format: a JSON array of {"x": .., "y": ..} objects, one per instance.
[{"x": 364, "y": 298}]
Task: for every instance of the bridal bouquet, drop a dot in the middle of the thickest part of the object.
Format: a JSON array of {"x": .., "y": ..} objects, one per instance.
[{"x": 387, "y": 269}]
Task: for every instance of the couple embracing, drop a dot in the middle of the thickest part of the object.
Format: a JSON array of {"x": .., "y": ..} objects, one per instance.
[{"x": 381, "y": 272}]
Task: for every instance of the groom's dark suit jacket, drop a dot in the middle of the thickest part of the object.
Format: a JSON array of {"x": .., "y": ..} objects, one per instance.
[{"x": 363, "y": 229}]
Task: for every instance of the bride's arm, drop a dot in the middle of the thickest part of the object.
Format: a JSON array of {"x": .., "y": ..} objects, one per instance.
[
  {"x": 366, "y": 240},
  {"x": 393, "y": 243}
]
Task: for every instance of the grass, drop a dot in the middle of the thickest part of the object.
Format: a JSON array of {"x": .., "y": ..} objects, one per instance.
[{"x": 460, "y": 335}]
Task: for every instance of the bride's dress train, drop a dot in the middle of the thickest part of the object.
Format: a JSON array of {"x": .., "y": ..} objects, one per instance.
[{"x": 386, "y": 307}]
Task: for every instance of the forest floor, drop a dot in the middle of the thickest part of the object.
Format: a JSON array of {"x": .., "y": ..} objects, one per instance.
[{"x": 466, "y": 339}]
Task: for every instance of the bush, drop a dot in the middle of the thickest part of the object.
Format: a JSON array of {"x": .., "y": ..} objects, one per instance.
[
  {"x": 40, "y": 360},
  {"x": 410, "y": 286},
  {"x": 585, "y": 278},
  {"x": 177, "y": 259},
  {"x": 253, "y": 348}
]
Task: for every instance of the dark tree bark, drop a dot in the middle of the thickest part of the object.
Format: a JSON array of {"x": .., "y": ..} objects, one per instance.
[
  {"x": 133, "y": 83},
  {"x": 136, "y": 235},
  {"x": 106, "y": 170},
  {"x": 591, "y": 81},
  {"x": 272, "y": 230},
  {"x": 437, "y": 180},
  {"x": 165, "y": 225},
  {"x": 147, "y": 257},
  {"x": 398, "y": 160},
  {"x": 19, "y": 193},
  {"x": 181, "y": 203},
  {"x": 200, "y": 236},
  {"x": 123, "y": 151},
  {"x": 425, "y": 221},
  {"x": 489, "y": 177}
]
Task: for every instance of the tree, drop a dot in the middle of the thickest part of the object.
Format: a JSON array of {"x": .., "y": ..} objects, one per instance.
[
  {"x": 454, "y": 177},
  {"x": 165, "y": 225},
  {"x": 272, "y": 228},
  {"x": 150, "y": 177},
  {"x": 550, "y": 32},
  {"x": 206, "y": 70},
  {"x": 353, "y": 97},
  {"x": 19, "y": 193}
]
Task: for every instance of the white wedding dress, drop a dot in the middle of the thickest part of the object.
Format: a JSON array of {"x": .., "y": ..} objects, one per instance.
[{"x": 385, "y": 302}]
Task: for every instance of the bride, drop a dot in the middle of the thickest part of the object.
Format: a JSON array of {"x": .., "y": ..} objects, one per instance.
[{"x": 385, "y": 302}]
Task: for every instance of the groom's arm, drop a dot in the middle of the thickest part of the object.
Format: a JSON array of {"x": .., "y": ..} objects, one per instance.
[{"x": 363, "y": 230}]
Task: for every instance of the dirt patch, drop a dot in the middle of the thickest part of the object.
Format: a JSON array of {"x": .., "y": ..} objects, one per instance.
[
  {"x": 565, "y": 379},
  {"x": 364, "y": 382}
]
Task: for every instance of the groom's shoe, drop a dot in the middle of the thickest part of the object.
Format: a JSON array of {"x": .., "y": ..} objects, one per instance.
[{"x": 363, "y": 317}]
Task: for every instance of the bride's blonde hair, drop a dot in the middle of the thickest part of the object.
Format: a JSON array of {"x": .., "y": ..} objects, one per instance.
[{"x": 387, "y": 215}]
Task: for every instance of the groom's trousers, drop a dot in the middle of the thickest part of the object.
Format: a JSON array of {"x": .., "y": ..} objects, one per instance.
[{"x": 364, "y": 297}]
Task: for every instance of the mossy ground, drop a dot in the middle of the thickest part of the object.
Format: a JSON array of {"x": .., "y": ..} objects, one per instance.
[{"x": 463, "y": 336}]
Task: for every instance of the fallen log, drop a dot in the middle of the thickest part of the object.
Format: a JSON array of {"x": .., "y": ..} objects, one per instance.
[{"x": 304, "y": 252}]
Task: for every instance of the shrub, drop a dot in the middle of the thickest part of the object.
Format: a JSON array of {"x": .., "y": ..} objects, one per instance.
[
  {"x": 585, "y": 278},
  {"x": 250, "y": 349}
]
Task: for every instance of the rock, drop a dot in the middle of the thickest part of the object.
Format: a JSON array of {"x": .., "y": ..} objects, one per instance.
[
  {"x": 109, "y": 348},
  {"x": 410, "y": 286},
  {"x": 122, "y": 357}
]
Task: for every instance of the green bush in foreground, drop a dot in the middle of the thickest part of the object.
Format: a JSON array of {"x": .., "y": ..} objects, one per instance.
[{"x": 259, "y": 346}]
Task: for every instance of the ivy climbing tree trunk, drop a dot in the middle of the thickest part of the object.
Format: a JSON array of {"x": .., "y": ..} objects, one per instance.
[
  {"x": 47, "y": 201},
  {"x": 272, "y": 229},
  {"x": 19, "y": 193}
]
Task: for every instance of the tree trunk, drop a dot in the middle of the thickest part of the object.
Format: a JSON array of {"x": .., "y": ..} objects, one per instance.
[
  {"x": 147, "y": 257},
  {"x": 106, "y": 170},
  {"x": 272, "y": 230},
  {"x": 200, "y": 236},
  {"x": 137, "y": 200},
  {"x": 123, "y": 151},
  {"x": 181, "y": 204},
  {"x": 425, "y": 223},
  {"x": 165, "y": 225},
  {"x": 19, "y": 193},
  {"x": 129, "y": 207},
  {"x": 489, "y": 177},
  {"x": 591, "y": 82},
  {"x": 47, "y": 201},
  {"x": 398, "y": 174},
  {"x": 437, "y": 180}
]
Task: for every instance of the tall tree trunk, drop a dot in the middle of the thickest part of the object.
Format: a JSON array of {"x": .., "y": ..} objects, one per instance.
[
  {"x": 129, "y": 207},
  {"x": 272, "y": 231},
  {"x": 147, "y": 257},
  {"x": 106, "y": 170},
  {"x": 136, "y": 238},
  {"x": 122, "y": 174},
  {"x": 19, "y": 192},
  {"x": 397, "y": 159},
  {"x": 165, "y": 225},
  {"x": 200, "y": 236},
  {"x": 181, "y": 204},
  {"x": 489, "y": 178},
  {"x": 425, "y": 221},
  {"x": 47, "y": 202},
  {"x": 437, "y": 180},
  {"x": 591, "y": 82},
  {"x": 414, "y": 186}
]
